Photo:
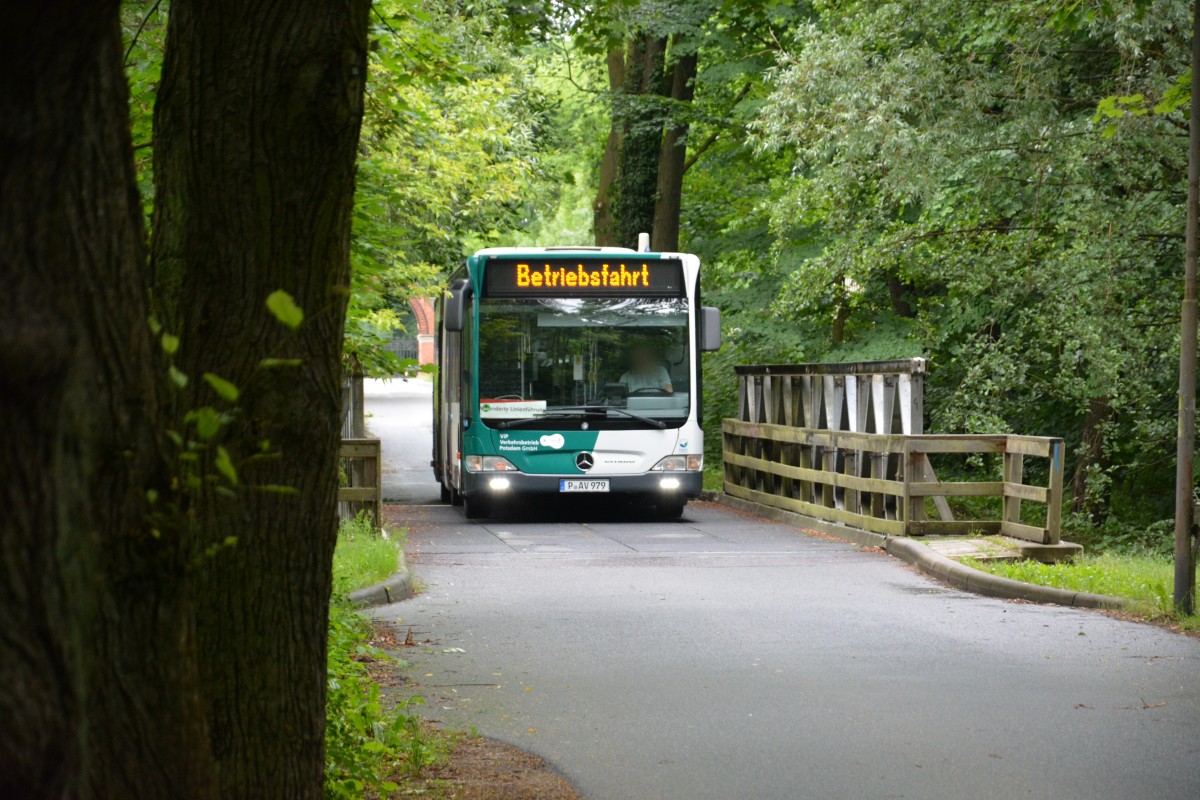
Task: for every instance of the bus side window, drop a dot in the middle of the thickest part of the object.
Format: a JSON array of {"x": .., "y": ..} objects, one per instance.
[{"x": 468, "y": 358}]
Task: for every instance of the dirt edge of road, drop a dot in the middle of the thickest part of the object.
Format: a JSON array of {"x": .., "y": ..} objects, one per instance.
[{"x": 475, "y": 767}]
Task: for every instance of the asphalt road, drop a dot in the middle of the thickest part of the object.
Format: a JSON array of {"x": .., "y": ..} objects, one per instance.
[
  {"x": 400, "y": 414},
  {"x": 727, "y": 657}
]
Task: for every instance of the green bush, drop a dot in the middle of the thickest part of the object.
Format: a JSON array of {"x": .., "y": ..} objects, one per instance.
[
  {"x": 366, "y": 742},
  {"x": 1117, "y": 536}
]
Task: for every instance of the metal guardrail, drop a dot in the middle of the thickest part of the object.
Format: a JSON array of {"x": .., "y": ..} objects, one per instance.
[{"x": 878, "y": 482}]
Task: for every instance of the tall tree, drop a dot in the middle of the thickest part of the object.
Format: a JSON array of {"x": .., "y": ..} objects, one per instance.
[
  {"x": 641, "y": 136},
  {"x": 98, "y": 686},
  {"x": 165, "y": 550},
  {"x": 604, "y": 226},
  {"x": 672, "y": 157},
  {"x": 254, "y": 182}
]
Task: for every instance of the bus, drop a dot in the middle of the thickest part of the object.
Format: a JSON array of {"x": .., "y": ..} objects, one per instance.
[{"x": 571, "y": 370}]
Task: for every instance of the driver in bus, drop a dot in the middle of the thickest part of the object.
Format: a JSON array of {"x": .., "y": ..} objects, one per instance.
[{"x": 646, "y": 372}]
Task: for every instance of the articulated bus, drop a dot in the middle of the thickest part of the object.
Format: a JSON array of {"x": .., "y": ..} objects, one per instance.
[{"x": 566, "y": 370}]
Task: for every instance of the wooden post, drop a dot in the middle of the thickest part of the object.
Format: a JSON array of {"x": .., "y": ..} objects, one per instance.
[
  {"x": 904, "y": 511},
  {"x": 1014, "y": 472},
  {"x": 1054, "y": 498}
]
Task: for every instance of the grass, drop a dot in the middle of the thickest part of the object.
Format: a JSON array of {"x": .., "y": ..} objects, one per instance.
[
  {"x": 371, "y": 746},
  {"x": 714, "y": 476},
  {"x": 364, "y": 554},
  {"x": 1146, "y": 581}
]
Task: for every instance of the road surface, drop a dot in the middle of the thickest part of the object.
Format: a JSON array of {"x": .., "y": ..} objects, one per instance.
[
  {"x": 724, "y": 657},
  {"x": 400, "y": 414}
]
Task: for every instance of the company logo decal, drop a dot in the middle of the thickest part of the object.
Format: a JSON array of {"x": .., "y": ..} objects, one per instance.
[
  {"x": 585, "y": 461},
  {"x": 553, "y": 440}
]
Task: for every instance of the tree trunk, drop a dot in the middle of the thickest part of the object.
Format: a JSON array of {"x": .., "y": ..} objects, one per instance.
[
  {"x": 256, "y": 124},
  {"x": 898, "y": 292},
  {"x": 641, "y": 139},
  {"x": 98, "y": 690},
  {"x": 1091, "y": 454},
  {"x": 603, "y": 224},
  {"x": 669, "y": 193},
  {"x": 840, "y": 318}
]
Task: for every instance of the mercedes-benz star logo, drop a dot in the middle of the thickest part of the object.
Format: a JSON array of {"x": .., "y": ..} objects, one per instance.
[{"x": 585, "y": 461}]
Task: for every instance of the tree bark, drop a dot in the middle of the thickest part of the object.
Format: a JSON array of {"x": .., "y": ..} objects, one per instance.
[
  {"x": 98, "y": 688},
  {"x": 641, "y": 139},
  {"x": 840, "y": 318},
  {"x": 256, "y": 125},
  {"x": 603, "y": 225},
  {"x": 672, "y": 157},
  {"x": 898, "y": 292}
]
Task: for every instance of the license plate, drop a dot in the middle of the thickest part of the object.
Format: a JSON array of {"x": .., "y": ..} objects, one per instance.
[{"x": 583, "y": 486}]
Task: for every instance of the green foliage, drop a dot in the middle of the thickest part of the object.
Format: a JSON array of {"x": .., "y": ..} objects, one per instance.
[
  {"x": 1176, "y": 98},
  {"x": 449, "y": 144},
  {"x": 367, "y": 740},
  {"x": 451, "y": 139},
  {"x": 144, "y": 25},
  {"x": 283, "y": 307},
  {"x": 222, "y": 387},
  {"x": 952, "y": 193},
  {"x": 357, "y": 724},
  {"x": 1113, "y": 535}
]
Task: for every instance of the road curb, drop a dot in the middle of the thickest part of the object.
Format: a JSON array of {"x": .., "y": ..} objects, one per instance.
[
  {"x": 973, "y": 580},
  {"x": 397, "y": 587},
  {"x": 927, "y": 560}
]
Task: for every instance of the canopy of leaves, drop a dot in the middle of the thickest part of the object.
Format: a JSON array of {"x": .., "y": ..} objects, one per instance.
[{"x": 954, "y": 151}]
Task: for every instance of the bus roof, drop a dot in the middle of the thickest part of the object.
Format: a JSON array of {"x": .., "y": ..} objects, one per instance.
[{"x": 508, "y": 251}]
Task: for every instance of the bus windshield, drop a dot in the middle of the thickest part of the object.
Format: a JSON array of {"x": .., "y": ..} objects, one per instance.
[{"x": 615, "y": 361}]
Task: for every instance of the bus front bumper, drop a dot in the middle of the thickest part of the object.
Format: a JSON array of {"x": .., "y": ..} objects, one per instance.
[{"x": 661, "y": 485}]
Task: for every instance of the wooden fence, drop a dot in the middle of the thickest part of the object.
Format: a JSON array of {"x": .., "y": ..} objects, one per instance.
[
  {"x": 363, "y": 467},
  {"x": 878, "y": 481}
]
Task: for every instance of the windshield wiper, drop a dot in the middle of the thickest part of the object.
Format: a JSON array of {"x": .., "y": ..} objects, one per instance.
[
  {"x": 514, "y": 423},
  {"x": 654, "y": 423},
  {"x": 581, "y": 411}
]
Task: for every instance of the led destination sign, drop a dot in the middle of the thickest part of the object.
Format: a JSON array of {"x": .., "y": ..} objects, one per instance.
[{"x": 558, "y": 277}]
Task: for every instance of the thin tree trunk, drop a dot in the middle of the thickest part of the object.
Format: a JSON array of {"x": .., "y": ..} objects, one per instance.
[
  {"x": 256, "y": 125},
  {"x": 840, "y": 318},
  {"x": 1091, "y": 454},
  {"x": 603, "y": 224},
  {"x": 898, "y": 292},
  {"x": 671, "y": 159},
  {"x": 98, "y": 690}
]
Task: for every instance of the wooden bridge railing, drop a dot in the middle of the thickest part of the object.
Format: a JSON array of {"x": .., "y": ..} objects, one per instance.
[
  {"x": 364, "y": 468},
  {"x": 878, "y": 482}
]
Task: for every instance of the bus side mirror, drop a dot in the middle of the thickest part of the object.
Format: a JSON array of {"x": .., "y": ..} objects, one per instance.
[
  {"x": 454, "y": 314},
  {"x": 710, "y": 329}
]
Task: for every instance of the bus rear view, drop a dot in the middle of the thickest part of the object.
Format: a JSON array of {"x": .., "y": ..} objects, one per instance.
[{"x": 572, "y": 371}]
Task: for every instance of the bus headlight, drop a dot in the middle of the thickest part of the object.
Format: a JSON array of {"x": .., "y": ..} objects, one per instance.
[
  {"x": 669, "y": 483},
  {"x": 498, "y": 484},
  {"x": 488, "y": 464},
  {"x": 690, "y": 463}
]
